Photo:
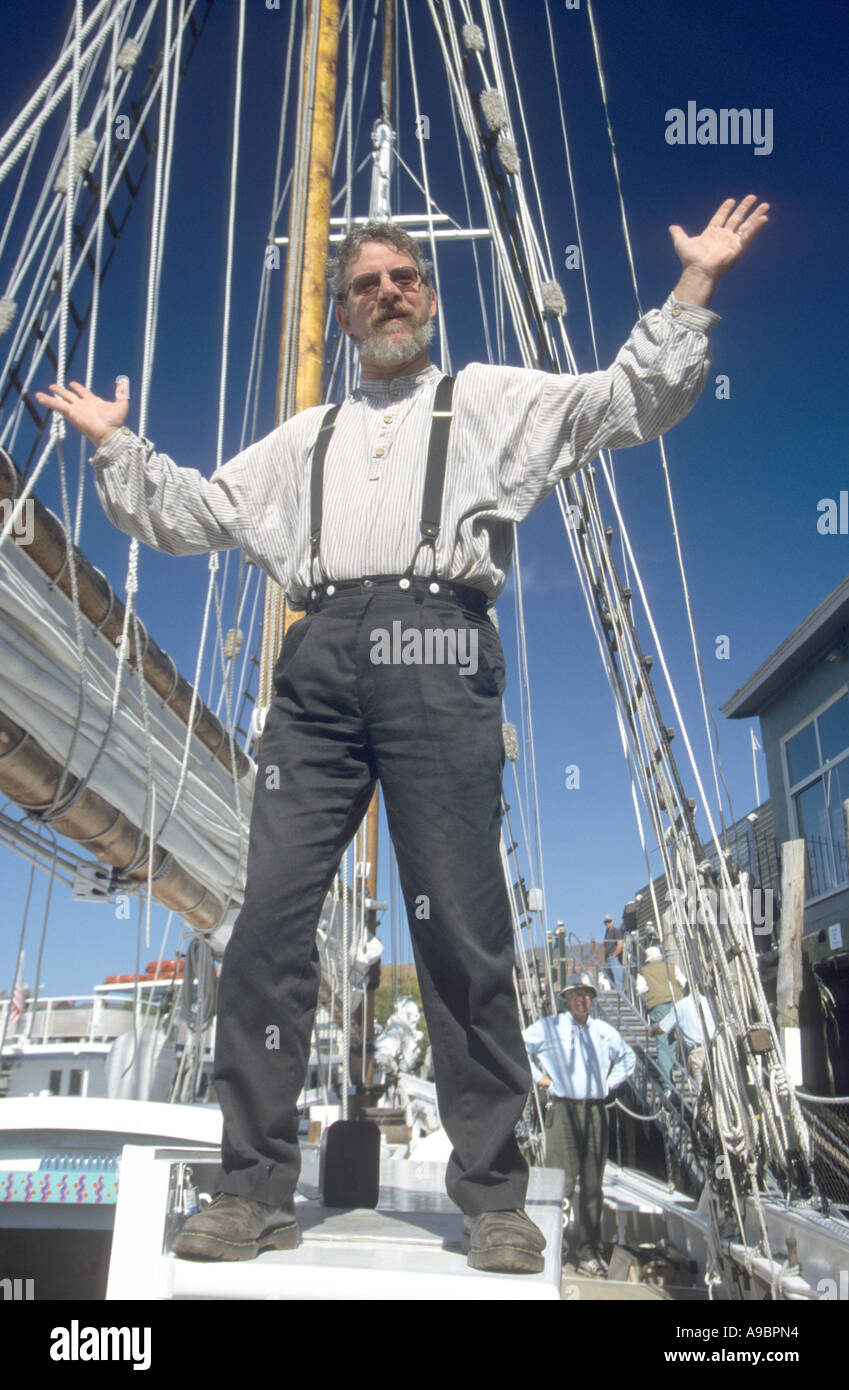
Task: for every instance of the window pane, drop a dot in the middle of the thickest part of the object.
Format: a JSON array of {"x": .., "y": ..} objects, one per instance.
[
  {"x": 811, "y": 810},
  {"x": 75, "y": 1083},
  {"x": 55, "y": 1083},
  {"x": 836, "y": 783},
  {"x": 802, "y": 755},
  {"x": 834, "y": 728},
  {"x": 814, "y": 825}
]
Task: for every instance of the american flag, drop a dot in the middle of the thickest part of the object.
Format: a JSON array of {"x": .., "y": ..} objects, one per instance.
[{"x": 17, "y": 1006}]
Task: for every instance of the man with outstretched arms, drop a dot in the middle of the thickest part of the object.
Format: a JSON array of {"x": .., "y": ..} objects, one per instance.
[{"x": 410, "y": 493}]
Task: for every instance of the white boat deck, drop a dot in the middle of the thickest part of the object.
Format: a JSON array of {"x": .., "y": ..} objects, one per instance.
[{"x": 408, "y": 1248}]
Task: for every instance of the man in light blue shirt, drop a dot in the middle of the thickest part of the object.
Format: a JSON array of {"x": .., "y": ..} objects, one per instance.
[{"x": 579, "y": 1060}]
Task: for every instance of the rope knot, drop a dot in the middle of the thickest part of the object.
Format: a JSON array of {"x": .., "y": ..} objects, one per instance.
[
  {"x": 473, "y": 38},
  {"x": 84, "y": 149},
  {"x": 8, "y": 309}
]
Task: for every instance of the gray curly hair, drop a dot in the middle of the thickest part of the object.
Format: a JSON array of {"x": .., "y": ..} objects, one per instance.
[{"x": 350, "y": 248}]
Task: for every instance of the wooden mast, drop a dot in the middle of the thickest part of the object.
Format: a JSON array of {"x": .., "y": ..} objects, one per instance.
[
  {"x": 306, "y": 284},
  {"x": 312, "y": 284},
  {"x": 310, "y": 287}
]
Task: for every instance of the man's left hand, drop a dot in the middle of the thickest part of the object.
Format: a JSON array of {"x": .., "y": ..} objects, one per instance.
[{"x": 707, "y": 257}]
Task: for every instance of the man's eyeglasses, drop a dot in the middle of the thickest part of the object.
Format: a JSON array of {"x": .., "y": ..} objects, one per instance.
[{"x": 403, "y": 277}]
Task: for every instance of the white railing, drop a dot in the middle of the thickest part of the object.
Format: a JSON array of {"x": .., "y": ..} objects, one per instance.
[{"x": 86, "y": 1018}]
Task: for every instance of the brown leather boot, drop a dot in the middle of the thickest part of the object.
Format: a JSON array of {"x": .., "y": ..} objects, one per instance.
[
  {"x": 504, "y": 1242},
  {"x": 237, "y": 1228}
]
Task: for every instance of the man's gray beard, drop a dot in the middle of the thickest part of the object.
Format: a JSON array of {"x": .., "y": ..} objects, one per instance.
[{"x": 381, "y": 351}]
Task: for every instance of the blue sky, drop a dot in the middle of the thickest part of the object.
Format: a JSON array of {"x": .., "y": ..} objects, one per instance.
[{"x": 748, "y": 472}]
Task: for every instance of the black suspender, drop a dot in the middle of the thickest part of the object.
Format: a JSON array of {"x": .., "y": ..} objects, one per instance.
[
  {"x": 437, "y": 453},
  {"x": 326, "y": 429},
  {"x": 434, "y": 485}
]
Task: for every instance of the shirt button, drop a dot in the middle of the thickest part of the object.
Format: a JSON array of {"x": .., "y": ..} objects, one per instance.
[
  {"x": 387, "y": 419},
  {"x": 676, "y": 311},
  {"x": 379, "y": 453}
]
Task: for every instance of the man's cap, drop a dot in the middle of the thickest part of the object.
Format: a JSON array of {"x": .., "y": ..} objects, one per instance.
[
  {"x": 608, "y": 919},
  {"x": 579, "y": 982}
]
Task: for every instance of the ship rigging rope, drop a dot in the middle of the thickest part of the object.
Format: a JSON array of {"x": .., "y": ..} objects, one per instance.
[
  {"x": 54, "y": 100},
  {"x": 277, "y": 201},
  {"x": 33, "y": 1003},
  {"x": 505, "y": 282},
  {"x": 528, "y": 724},
  {"x": 79, "y": 82},
  {"x": 461, "y": 164},
  {"x": 57, "y": 425},
  {"x": 273, "y": 606},
  {"x": 163, "y": 170},
  {"x": 584, "y": 277},
  {"x": 43, "y": 286},
  {"x": 150, "y": 1001},
  {"x": 213, "y": 559},
  {"x": 231, "y": 221},
  {"x": 447, "y": 37},
  {"x": 443, "y": 336},
  {"x": 712, "y": 742},
  {"x": 45, "y": 227},
  {"x": 164, "y": 150},
  {"x": 610, "y": 481},
  {"x": 168, "y": 95},
  {"x": 740, "y": 996},
  {"x": 21, "y": 939},
  {"x": 543, "y": 265},
  {"x": 703, "y": 964},
  {"x": 96, "y": 274}
]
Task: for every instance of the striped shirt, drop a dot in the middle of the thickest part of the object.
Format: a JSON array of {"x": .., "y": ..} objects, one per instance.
[{"x": 515, "y": 433}]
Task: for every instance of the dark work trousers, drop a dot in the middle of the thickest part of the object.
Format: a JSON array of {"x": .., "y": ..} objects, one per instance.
[
  {"x": 433, "y": 737},
  {"x": 576, "y": 1140}
]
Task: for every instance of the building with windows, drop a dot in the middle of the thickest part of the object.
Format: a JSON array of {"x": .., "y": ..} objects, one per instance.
[
  {"x": 752, "y": 847},
  {"x": 800, "y": 695}
]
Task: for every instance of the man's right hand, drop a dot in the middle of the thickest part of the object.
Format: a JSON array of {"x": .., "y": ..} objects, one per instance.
[
  {"x": 94, "y": 417},
  {"x": 544, "y": 1083}
]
